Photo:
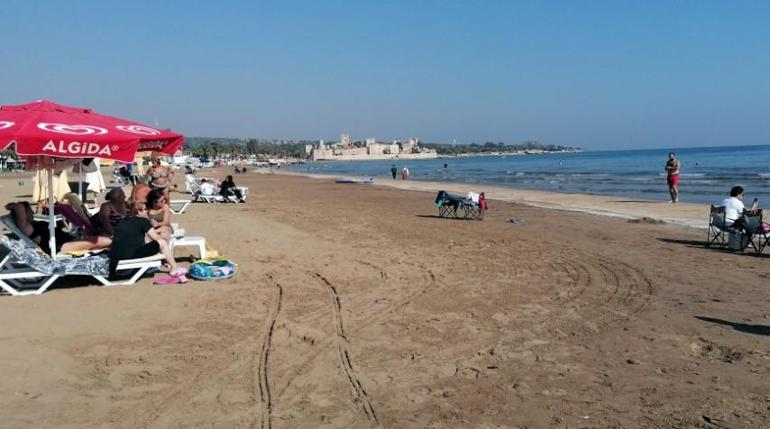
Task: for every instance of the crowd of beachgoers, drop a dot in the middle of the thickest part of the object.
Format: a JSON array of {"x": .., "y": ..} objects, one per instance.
[{"x": 133, "y": 222}]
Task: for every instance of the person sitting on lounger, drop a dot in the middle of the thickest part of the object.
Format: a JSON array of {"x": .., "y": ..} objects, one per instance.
[
  {"x": 111, "y": 212},
  {"x": 135, "y": 238},
  {"x": 158, "y": 210},
  {"x": 38, "y": 231},
  {"x": 228, "y": 188},
  {"x": 207, "y": 188}
]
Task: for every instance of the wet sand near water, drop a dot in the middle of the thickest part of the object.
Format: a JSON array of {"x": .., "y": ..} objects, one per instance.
[{"x": 355, "y": 306}]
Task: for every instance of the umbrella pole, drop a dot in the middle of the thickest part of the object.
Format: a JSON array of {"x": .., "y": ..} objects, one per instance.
[
  {"x": 80, "y": 182},
  {"x": 51, "y": 214}
]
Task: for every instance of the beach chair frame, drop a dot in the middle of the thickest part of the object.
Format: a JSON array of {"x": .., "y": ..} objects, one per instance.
[
  {"x": 473, "y": 211},
  {"x": 751, "y": 223},
  {"x": 452, "y": 206},
  {"x": 717, "y": 229},
  {"x": 18, "y": 280},
  {"x": 140, "y": 266},
  {"x": 178, "y": 206}
]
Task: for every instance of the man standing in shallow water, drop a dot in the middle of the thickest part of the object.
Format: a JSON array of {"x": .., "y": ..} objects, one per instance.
[{"x": 672, "y": 176}]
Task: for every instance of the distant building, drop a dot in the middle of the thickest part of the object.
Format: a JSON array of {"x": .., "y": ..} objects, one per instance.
[{"x": 347, "y": 150}]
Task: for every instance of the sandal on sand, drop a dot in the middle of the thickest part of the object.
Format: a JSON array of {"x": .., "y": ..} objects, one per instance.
[{"x": 168, "y": 280}]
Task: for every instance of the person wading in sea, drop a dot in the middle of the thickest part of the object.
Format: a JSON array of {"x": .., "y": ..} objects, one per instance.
[
  {"x": 672, "y": 176},
  {"x": 393, "y": 171}
]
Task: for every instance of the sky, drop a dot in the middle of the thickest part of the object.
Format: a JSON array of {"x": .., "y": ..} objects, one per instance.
[{"x": 594, "y": 74}]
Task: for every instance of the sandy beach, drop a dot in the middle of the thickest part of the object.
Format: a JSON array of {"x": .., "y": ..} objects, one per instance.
[{"x": 356, "y": 306}]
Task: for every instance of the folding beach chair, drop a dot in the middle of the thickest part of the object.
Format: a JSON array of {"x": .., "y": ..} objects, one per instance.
[
  {"x": 455, "y": 206},
  {"x": 448, "y": 204},
  {"x": 473, "y": 211},
  {"x": 717, "y": 229},
  {"x": 755, "y": 234}
]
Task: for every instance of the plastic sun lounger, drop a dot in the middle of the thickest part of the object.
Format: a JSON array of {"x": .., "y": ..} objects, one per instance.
[
  {"x": 210, "y": 199},
  {"x": 19, "y": 279},
  {"x": 178, "y": 206},
  {"x": 141, "y": 265}
]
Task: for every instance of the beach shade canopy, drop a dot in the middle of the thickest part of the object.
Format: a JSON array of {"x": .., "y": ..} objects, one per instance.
[{"x": 50, "y": 129}]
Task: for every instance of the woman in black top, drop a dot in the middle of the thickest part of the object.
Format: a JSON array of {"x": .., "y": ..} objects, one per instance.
[{"x": 135, "y": 238}]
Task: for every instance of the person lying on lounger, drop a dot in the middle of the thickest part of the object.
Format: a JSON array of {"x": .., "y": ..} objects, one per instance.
[
  {"x": 135, "y": 238},
  {"x": 39, "y": 232},
  {"x": 80, "y": 226}
]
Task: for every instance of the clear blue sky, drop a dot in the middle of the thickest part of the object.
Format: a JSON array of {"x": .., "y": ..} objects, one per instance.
[{"x": 596, "y": 74}]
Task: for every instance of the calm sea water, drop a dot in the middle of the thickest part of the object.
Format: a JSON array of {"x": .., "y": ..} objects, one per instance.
[{"x": 707, "y": 173}]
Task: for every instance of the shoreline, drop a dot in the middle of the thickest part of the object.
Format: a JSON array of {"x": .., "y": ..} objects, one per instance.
[{"x": 689, "y": 215}]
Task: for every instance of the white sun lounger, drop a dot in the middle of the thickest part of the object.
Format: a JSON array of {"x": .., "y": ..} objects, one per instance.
[
  {"x": 141, "y": 265},
  {"x": 178, "y": 206},
  {"x": 19, "y": 278}
]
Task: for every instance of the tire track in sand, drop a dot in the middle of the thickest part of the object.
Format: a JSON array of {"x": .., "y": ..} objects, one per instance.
[
  {"x": 359, "y": 393},
  {"x": 262, "y": 382},
  {"x": 186, "y": 388},
  {"x": 429, "y": 282}
]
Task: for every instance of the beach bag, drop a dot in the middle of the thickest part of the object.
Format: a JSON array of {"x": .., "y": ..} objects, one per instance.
[
  {"x": 737, "y": 241},
  {"x": 212, "y": 269}
]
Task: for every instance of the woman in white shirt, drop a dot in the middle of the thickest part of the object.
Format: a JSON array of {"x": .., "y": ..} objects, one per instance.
[{"x": 733, "y": 205}]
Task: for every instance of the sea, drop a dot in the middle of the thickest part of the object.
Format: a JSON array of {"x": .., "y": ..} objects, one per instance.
[{"x": 707, "y": 173}]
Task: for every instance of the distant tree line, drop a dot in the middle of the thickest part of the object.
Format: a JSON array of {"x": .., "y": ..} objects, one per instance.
[
  {"x": 491, "y": 147},
  {"x": 216, "y": 147}
]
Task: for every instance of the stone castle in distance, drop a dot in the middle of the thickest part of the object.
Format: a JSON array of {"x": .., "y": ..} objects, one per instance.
[{"x": 369, "y": 149}]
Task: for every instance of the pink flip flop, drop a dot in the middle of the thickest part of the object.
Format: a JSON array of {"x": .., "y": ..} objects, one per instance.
[{"x": 168, "y": 280}]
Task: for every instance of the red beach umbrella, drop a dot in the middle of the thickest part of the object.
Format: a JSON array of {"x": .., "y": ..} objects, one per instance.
[
  {"x": 44, "y": 128},
  {"x": 47, "y": 128}
]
